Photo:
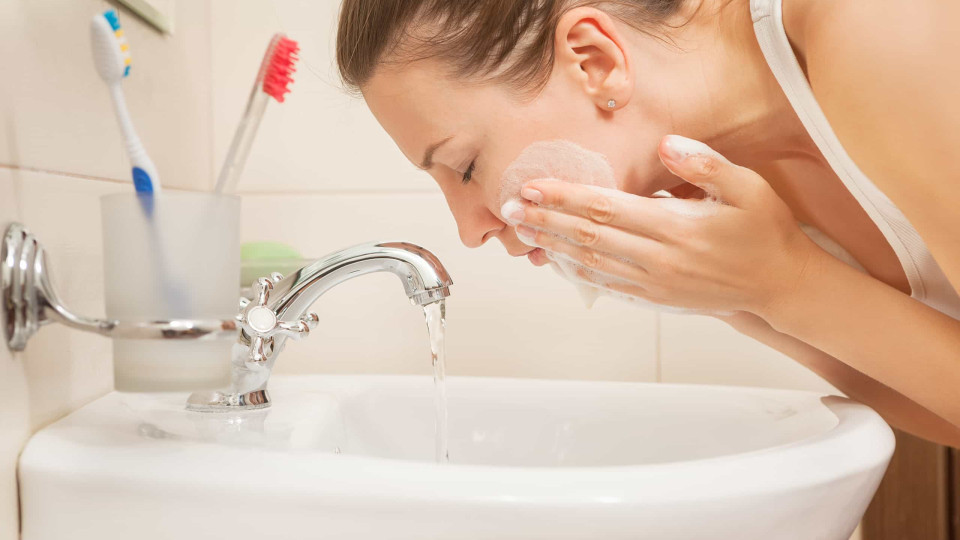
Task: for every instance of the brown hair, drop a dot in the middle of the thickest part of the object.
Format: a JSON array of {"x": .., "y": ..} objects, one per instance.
[{"x": 510, "y": 40}]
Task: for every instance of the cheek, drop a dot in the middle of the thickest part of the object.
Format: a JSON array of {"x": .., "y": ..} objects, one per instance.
[
  {"x": 542, "y": 138},
  {"x": 558, "y": 160}
]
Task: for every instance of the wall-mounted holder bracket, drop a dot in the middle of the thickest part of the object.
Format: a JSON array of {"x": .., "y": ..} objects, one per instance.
[{"x": 28, "y": 301}]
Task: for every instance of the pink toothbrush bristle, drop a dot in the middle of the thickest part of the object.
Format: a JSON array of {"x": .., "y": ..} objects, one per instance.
[{"x": 277, "y": 79}]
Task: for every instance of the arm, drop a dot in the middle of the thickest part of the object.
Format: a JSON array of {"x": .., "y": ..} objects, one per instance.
[
  {"x": 897, "y": 409},
  {"x": 748, "y": 254},
  {"x": 875, "y": 330},
  {"x": 902, "y": 128}
]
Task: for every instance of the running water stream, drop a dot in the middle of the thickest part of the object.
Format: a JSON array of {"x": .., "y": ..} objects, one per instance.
[{"x": 436, "y": 321}]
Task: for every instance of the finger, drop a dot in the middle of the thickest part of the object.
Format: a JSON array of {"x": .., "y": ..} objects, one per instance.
[
  {"x": 613, "y": 286},
  {"x": 585, "y": 232},
  {"x": 616, "y": 287},
  {"x": 610, "y": 207},
  {"x": 623, "y": 289},
  {"x": 627, "y": 290},
  {"x": 642, "y": 296},
  {"x": 570, "y": 269},
  {"x": 703, "y": 167},
  {"x": 687, "y": 191},
  {"x": 591, "y": 259}
]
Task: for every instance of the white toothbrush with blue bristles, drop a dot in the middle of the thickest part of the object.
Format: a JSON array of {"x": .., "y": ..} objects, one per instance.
[{"x": 111, "y": 55}]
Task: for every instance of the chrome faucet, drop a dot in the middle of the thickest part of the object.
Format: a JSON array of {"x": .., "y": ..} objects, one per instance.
[{"x": 278, "y": 312}]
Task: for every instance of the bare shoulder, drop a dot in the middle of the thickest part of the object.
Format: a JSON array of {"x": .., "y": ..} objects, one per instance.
[{"x": 887, "y": 75}]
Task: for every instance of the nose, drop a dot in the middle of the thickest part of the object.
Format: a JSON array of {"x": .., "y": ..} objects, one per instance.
[
  {"x": 475, "y": 222},
  {"x": 475, "y": 230}
]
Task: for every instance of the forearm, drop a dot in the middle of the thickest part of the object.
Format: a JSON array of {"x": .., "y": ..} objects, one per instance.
[
  {"x": 875, "y": 330},
  {"x": 897, "y": 409}
]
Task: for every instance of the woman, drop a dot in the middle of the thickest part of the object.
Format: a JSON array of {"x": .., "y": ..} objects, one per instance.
[{"x": 836, "y": 114}]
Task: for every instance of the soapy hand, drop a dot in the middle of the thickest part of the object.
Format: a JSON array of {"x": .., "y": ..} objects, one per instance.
[{"x": 739, "y": 249}]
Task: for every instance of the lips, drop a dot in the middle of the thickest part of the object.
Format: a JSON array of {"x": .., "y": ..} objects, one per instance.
[
  {"x": 534, "y": 255},
  {"x": 537, "y": 257}
]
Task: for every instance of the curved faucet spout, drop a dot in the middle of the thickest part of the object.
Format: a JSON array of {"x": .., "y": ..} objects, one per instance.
[
  {"x": 280, "y": 312},
  {"x": 424, "y": 279}
]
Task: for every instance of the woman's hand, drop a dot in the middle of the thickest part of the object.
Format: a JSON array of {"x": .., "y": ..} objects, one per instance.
[{"x": 744, "y": 252}]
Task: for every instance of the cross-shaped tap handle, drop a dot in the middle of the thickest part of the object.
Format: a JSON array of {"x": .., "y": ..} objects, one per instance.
[{"x": 262, "y": 325}]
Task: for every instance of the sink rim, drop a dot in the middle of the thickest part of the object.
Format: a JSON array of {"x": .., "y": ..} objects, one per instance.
[{"x": 860, "y": 441}]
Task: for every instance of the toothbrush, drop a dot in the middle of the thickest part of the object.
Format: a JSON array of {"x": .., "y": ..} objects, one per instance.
[
  {"x": 272, "y": 80},
  {"x": 111, "y": 55}
]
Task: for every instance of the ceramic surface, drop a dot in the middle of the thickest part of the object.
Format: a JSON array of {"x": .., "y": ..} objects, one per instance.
[{"x": 352, "y": 457}]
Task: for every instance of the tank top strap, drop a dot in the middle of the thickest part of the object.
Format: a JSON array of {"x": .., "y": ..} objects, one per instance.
[{"x": 927, "y": 281}]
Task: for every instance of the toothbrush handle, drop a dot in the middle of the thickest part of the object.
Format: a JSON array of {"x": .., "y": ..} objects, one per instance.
[
  {"x": 145, "y": 176},
  {"x": 242, "y": 141}
]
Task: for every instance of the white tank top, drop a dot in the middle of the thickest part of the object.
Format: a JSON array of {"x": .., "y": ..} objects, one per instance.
[{"x": 928, "y": 283}]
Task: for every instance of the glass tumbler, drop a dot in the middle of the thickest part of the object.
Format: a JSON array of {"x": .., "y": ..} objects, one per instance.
[{"x": 171, "y": 256}]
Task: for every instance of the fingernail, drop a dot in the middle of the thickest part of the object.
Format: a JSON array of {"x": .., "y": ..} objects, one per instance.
[
  {"x": 512, "y": 212},
  {"x": 679, "y": 148},
  {"x": 532, "y": 195},
  {"x": 527, "y": 235}
]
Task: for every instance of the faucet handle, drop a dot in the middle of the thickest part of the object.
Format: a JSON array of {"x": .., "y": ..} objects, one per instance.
[
  {"x": 301, "y": 328},
  {"x": 262, "y": 324}
]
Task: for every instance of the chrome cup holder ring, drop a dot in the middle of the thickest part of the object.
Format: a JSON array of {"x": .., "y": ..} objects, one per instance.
[{"x": 28, "y": 301}]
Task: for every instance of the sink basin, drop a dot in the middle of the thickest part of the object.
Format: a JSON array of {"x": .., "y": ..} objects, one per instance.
[{"x": 353, "y": 457}]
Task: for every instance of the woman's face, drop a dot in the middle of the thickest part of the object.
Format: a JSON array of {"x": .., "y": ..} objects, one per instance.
[{"x": 465, "y": 135}]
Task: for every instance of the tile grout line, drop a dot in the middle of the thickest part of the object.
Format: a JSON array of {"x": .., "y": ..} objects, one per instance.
[
  {"x": 79, "y": 176},
  {"x": 241, "y": 193},
  {"x": 58, "y": 173},
  {"x": 658, "y": 349},
  {"x": 211, "y": 136},
  {"x": 337, "y": 192}
]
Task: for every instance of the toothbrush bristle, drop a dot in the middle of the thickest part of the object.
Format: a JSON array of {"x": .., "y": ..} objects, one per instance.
[
  {"x": 283, "y": 59},
  {"x": 111, "y": 16},
  {"x": 114, "y": 21}
]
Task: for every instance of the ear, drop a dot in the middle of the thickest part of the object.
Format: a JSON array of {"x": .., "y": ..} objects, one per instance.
[{"x": 589, "y": 49}]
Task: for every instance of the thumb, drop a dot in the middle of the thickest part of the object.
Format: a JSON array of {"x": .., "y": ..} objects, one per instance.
[{"x": 706, "y": 169}]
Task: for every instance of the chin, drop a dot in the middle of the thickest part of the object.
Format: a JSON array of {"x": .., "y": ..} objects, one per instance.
[
  {"x": 646, "y": 185},
  {"x": 648, "y": 177}
]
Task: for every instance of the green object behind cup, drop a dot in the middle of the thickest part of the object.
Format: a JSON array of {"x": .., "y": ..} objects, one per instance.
[{"x": 260, "y": 259}]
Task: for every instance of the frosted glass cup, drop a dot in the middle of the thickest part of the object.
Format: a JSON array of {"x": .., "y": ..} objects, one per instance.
[{"x": 177, "y": 257}]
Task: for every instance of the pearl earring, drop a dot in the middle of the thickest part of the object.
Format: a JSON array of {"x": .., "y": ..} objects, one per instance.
[{"x": 611, "y": 104}]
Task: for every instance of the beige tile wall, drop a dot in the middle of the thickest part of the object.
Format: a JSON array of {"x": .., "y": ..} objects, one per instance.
[
  {"x": 325, "y": 175},
  {"x": 340, "y": 172},
  {"x": 14, "y": 415},
  {"x": 320, "y": 139},
  {"x": 699, "y": 349},
  {"x": 60, "y": 150},
  {"x": 55, "y": 112},
  {"x": 61, "y": 369}
]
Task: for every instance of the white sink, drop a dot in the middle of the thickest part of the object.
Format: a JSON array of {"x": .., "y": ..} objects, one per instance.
[{"x": 529, "y": 459}]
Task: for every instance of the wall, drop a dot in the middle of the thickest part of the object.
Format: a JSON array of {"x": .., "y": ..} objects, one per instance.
[
  {"x": 322, "y": 176},
  {"x": 60, "y": 150},
  {"x": 326, "y": 176}
]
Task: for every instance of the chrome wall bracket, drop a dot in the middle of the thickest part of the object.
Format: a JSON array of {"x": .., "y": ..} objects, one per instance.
[{"x": 29, "y": 301}]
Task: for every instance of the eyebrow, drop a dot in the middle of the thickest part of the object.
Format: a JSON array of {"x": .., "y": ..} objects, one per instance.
[{"x": 427, "y": 160}]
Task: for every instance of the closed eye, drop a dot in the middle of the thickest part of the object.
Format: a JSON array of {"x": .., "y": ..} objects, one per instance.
[{"x": 468, "y": 174}]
